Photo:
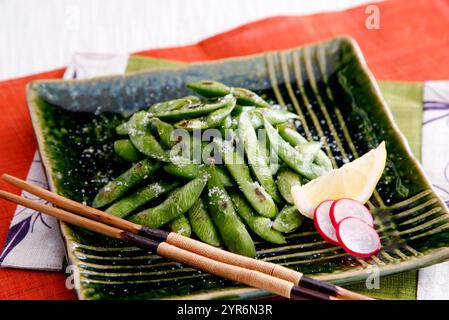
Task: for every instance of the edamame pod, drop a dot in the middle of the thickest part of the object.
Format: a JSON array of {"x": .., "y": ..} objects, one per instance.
[
  {"x": 286, "y": 179},
  {"x": 165, "y": 132},
  {"x": 142, "y": 138},
  {"x": 194, "y": 110},
  {"x": 257, "y": 160},
  {"x": 290, "y": 156},
  {"x": 130, "y": 203},
  {"x": 125, "y": 149},
  {"x": 253, "y": 191},
  {"x": 260, "y": 225},
  {"x": 175, "y": 104},
  {"x": 309, "y": 150},
  {"x": 247, "y": 97},
  {"x": 274, "y": 117},
  {"x": 122, "y": 129},
  {"x": 120, "y": 185},
  {"x": 288, "y": 220},
  {"x": 178, "y": 202},
  {"x": 209, "y": 88},
  {"x": 295, "y": 139},
  {"x": 202, "y": 224},
  {"x": 192, "y": 171},
  {"x": 232, "y": 230},
  {"x": 181, "y": 225},
  {"x": 212, "y": 120}
]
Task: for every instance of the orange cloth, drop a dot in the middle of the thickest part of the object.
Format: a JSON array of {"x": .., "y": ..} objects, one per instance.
[{"x": 412, "y": 44}]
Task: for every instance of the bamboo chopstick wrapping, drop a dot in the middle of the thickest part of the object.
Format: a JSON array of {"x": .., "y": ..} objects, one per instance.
[
  {"x": 245, "y": 276},
  {"x": 198, "y": 247}
]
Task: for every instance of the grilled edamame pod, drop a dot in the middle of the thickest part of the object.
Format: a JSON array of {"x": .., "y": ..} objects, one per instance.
[
  {"x": 260, "y": 225},
  {"x": 209, "y": 88},
  {"x": 291, "y": 156},
  {"x": 212, "y": 120},
  {"x": 194, "y": 110},
  {"x": 142, "y": 138},
  {"x": 119, "y": 186},
  {"x": 273, "y": 116},
  {"x": 181, "y": 225},
  {"x": 260, "y": 200},
  {"x": 288, "y": 220},
  {"x": 193, "y": 170},
  {"x": 126, "y": 150},
  {"x": 232, "y": 230},
  {"x": 178, "y": 202},
  {"x": 130, "y": 203},
  {"x": 309, "y": 150},
  {"x": 286, "y": 179},
  {"x": 165, "y": 132},
  {"x": 256, "y": 159},
  {"x": 175, "y": 104},
  {"x": 202, "y": 224},
  {"x": 295, "y": 139},
  {"x": 122, "y": 129}
]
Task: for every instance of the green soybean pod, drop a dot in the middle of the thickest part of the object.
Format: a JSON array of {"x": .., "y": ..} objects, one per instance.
[
  {"x": 142, "y": 138},
  {"x": 260, "y": 225},
  {"x": 290, "y": 156},
  {"x": 193, "y": 111},
  {"x": 122, "y": 129},
  {"x": 288, "y": 220},
  {"x": 209, "y": 88},
  {"x": 181, "y": 225},
  {"x": 286, "y": 179},
  {"x": 171, "y": 105},
  {"x": 238, "y": 110},
  {"x": 165, "y": 132},
  {"x": 120, "y": 185},
  {"x": 130, "y": 203},
  {"x": 178, "y": 202},
  {"x": 232, "y": 230},
  {"x": 273, "y": 116},
  {"x": 126, "y": 150},
  {"x": 247, "y": 97},
  {"x": 212, "y": 120},
  {"x": 309, "y": 150},
  {"x": 296, "y": 139},
  {"x": 257, "y": 157},
  {"x": 256, "y": 195},
  {"x": 202, "y": 224},
  {"x": 193, "y": 170}
]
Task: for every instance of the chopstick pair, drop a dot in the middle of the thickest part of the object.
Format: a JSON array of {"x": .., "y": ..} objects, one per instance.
[{"x": 256, "y": 273}]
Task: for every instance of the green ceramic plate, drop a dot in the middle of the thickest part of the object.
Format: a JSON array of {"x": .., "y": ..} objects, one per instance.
[{"x": 338, "y": 101}]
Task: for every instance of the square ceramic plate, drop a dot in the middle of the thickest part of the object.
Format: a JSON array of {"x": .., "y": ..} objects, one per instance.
[{"x": 338, "y": 101}]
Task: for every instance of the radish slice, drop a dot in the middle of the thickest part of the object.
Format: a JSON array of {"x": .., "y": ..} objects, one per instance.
[
  {"x": 357, "y": 237},
  {"x": 344, "y": 208},
  {"x": 323, "y": 223}
]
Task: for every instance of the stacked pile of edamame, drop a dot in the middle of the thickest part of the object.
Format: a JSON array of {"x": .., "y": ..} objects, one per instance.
[{"x": 250, "y": 157}]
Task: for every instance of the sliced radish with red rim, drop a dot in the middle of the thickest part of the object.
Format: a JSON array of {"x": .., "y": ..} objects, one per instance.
[
  {"x": 357, "y": 237},
  {"x": 323, "y": 223},
  {"x": 345, "y": 208}
]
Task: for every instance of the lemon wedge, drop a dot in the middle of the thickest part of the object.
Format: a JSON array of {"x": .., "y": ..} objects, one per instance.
[{"x": 355, "y": 180}]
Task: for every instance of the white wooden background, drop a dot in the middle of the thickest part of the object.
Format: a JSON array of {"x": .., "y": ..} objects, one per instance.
[{"x": 38, "y": 35}]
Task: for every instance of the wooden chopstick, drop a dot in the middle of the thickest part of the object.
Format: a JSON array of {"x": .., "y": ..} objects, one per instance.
[
  {"x": 295, "y": 277},
  {"x": 249, "y": 277}
]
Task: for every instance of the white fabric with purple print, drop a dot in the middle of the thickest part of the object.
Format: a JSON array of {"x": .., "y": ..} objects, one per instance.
[{"x": 433, "y": 282}]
